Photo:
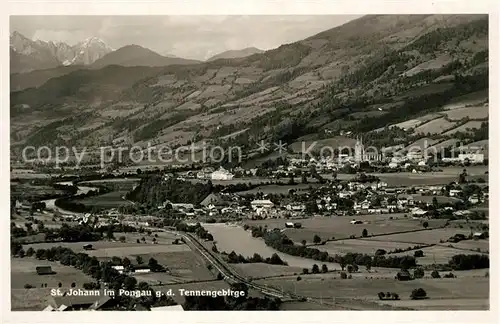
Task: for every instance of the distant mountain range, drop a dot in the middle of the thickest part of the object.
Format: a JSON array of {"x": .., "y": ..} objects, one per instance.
[
  {"x": 236, "y": 53},
  {"x": 28, "y": 55}
]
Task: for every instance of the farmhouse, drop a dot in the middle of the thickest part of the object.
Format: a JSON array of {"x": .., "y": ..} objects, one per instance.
[
  {"x": 44, "y": 270},
  {"x": 119, "y": 268},
  {"x": 480, "y": 235},
  {"x": 356, "y": 222},
  {"x": 403, "y": 275},
  {"x": 214, "y": 201},
  {"x": 78, "y": 303},
  {"x": 471, "y": 157}
]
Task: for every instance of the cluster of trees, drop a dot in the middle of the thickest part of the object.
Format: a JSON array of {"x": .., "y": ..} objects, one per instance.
[
  {"x": 315, "y": 269},
  {"x": 418, "y": 254},
  {"x": 154, "y": 190},
  {"x": 282, "y": 243},
  {"x": 256, "y": 258},
  {"x": 231, "y": 303},
  {"x": 388, "y": 296},
  {"x": 469, "y": 261}
]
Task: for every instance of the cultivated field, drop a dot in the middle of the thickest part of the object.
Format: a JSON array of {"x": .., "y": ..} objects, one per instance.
[
  {"x": 261, "y": 270},
  {"x": 23, "y": 272},
  {"x": 284, "y": 189},
  {"x": 451, "y": 293},
  {"x": 473, "y": 112},
  {"x": 108, "y": 200},
  {"x": 361, "y": 246},
  {"x": 436, "y": 126},
  {"x": 341, "y": 228},
  {"x": 422, "y": 237},
  {"x": 438, "y": 254},
  {"x": 465, "y": 127}
]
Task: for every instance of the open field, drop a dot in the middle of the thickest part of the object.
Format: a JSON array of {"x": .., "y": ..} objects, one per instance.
[
  {"x": 108, "y": 200},
  {"x": 331, "y": 143},
  {"x": 259, "y": 270},
  {"x": 184, "y": 266},
  {"x": 341, "y": 228},
  {"x": 438, "y": 254},
  {"x": 473, "y": 112},
  {"x": 276, "y": 189},
  {"x": 361, "y": 246},
  {"x": 23, "y": 272},
  {"x": 436, "y": 126},
  {"x": 482, "y": 245},
  {"x": 464, "y": 128},
  {"x": 447, "y": 291},
  {"x": 428, "y": 236}
]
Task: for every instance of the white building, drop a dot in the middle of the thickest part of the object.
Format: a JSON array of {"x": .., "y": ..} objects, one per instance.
[
  {"x": 455, "y": 192},
  {"x": 222, "y": 174},
  {"x": 471, "y": 157},
  {"x": 258, "y": 204}
]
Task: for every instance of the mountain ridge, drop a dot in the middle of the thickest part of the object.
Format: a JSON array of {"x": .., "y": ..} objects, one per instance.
[
  {"x": 229, "y": 54},
  {"x": 316, "y": 86}
]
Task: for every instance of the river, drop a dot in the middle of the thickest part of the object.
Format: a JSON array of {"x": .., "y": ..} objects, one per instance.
[{"x": 234, "y": 238}]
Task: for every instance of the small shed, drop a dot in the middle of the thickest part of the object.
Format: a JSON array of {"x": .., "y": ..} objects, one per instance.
[
  {"x": 44, "y": 270},
  {"x": 403, "y": 275}
]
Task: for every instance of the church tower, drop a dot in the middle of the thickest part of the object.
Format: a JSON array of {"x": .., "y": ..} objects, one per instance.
[{"x": 359, "y": 150}]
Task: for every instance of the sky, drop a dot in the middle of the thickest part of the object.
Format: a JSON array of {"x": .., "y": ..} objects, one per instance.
[{"x": 195, "y": 37}]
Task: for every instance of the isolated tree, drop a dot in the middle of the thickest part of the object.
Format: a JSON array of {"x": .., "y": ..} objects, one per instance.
[
  {"x": 305, "y": 271},
  {"x": 315, "y": 268},
  {"x": 425, "y": 224},
  {"x": 138, "y": 241},
  {"x": 435, "y": 274},
  {"x": 304, "y": 242},
  {"x": 343, "y": 275},
  {"x": 143, "y": 239},
  {"x": 342, "y": 263},
  {"x": 73, "y": 285},
  {"x": 122, "y": 239},
  {"x": 364, "y": 233},
  {"x": 316, "y": 239},
  {"x": 418, "y": 273},
  {"x": 220, "y": 276},
  {"x": 435, "y": 203},
  {"x": 109, "y": 234},
  {"x": 418, "y": 293},
  {"x": 304, "y": 178},
  {"x": 129, "y": 283},
  {"x": 126, "y": 262},
  {"x": 21, "y": 253},
  {"x": 59, "y": 285},
  {"x": 350, "y": 268},
  {"x": 139, "y": 260},
  {"x": 324, "y": 268},
  {"x": 418, "y": 254}
]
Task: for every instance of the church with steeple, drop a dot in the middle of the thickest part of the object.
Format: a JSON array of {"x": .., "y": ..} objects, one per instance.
[{"x": 360, "y": 155}]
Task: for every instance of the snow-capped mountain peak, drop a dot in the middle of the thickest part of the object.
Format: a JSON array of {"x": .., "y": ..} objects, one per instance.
[{"x": 54, "y": 53}]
